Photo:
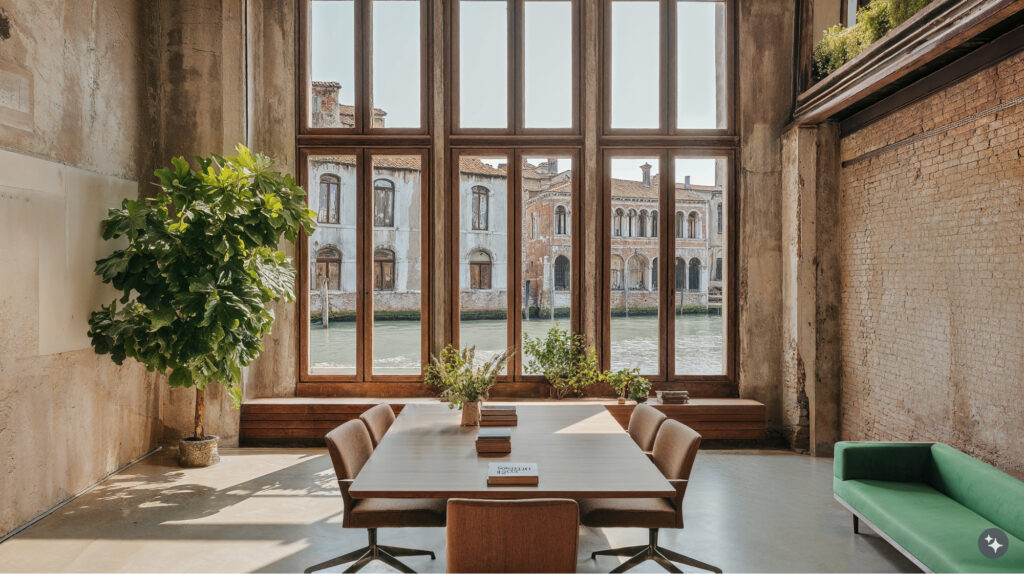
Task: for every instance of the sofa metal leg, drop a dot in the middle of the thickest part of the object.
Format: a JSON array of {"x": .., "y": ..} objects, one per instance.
[{"x": 856, "y": 524}]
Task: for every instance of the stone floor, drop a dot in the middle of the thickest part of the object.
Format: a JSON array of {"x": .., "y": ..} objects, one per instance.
[{"x": 278, "y": 510}]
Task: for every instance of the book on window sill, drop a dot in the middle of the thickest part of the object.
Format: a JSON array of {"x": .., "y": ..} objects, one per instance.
[
  {"x": 512, "y": 474},
  {"x": 494, "y": 434}
]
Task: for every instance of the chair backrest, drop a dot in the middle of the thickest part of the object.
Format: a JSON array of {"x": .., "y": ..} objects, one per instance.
[
  {"x": 644, "y": 424},
  {"x": 378, "y": 420},
  {"x": 675, "y": 449},
  {"x": 532, "y": 535},
  {"x": 350, "y": 448}
]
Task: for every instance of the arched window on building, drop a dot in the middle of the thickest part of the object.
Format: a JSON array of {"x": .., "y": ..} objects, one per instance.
[
  {"x": 654, "y": 274},
  {"x": 562, "y": 273},
  {"x": 680, "y": 274},
  {"x": 330, "y": 199},
  {"x": 384, "y": 270},
  {"x": 481, "y": 203},
  {"x": 680, "y": 225},
  {"x": 561, "y": 221},
  {"x": 617, "y": 223},
  {"x": 719, "y": 218},
  {"x": 637, "y": 273},
  {"x": 479, "y": 270},
  {"x": 616, "y": 278},
  {"x": 328, "y": 269},
  {"x": 692, "y": 229},
  {"x": 642, "y": 226},
  {"x": 631, "y": 219},
  {"x": 693, "y": 282},
  {"x": 383, "y": 203},
  {"x": 654, "y": 224}
]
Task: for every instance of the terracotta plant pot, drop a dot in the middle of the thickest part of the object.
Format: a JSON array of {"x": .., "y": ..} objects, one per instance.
[
  {"x": 197, "y": 453},
  {"x": 471, "y": 414}
]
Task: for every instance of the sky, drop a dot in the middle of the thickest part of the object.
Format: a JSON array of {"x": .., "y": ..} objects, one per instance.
[{"x": 548, "y": 65}]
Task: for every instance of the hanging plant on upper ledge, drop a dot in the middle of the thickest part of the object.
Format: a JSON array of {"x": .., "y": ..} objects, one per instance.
[{"x": 839, "y": 45}]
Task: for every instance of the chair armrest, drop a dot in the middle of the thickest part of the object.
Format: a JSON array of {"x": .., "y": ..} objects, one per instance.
[
  {"x": 680, "y": 485},
  {"x": 899, "y": 462}
]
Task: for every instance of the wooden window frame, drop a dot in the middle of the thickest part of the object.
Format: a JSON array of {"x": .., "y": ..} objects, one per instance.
[
  {"x": 667, "y": 83},
  {"x": 515, "y": 222},
  {"x": 666, "y": 378},
  {"x": 363, "y": 381},
  {"x": 515, "y": 84},
  {"x": 362, "y": 73}
]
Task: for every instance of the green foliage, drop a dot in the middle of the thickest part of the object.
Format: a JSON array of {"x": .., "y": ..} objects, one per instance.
[
  {"x": 628, "y": 383},
  {"x": 455, "y": 373},
  {"x": 200, "y": 267},
  {"x": 564, "y": 359},
  {"x": 840, "y": 45}
]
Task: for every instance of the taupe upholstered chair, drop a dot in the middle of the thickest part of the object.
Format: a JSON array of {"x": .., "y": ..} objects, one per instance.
[
  {"x": 675, "y": 449},
  {"x": 644, "y": 424},
  {"x": 350, "y": 448},
  {"x": 533, "y": 535},
  {"x": 378, "y": 420}
]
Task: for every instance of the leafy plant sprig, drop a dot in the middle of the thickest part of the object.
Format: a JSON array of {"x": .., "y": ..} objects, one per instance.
[
  {"x": 628, "y": 383},
  {"x": 200, "y": 267},
  {"x": 564, "y": 358},
  {"x": 455, "y": 373}
]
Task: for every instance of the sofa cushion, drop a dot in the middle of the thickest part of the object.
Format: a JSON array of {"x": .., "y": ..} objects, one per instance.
[
  {"x": 984, "y": 489},
  {"x": 896, "y": 461},
  {"x": 936, "y": 529}
]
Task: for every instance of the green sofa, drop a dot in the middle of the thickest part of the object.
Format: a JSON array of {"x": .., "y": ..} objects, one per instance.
[{"x": 932, "y": 502}]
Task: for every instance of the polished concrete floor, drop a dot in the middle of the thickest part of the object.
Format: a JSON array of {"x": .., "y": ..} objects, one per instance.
[{"x": 278, "y": 510}]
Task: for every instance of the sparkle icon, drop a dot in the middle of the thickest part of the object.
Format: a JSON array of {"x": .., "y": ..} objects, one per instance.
[{"x": 993, "y": 543}]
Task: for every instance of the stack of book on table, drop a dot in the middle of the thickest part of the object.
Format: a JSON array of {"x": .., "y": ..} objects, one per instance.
[
  {"x": 675, "y": 397},
  {"x": 492, "y": 441},
  {"x": 498, "y": 416},
  {"x": 512, "y": 474}
]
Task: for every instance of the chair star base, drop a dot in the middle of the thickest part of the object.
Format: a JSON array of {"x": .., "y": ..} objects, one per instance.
[
  {"x": 651, "y": 551},
  {"x": 371, "y": 552}
]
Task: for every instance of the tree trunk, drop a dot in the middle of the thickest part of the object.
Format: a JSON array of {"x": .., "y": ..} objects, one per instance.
[{"x": 200, "y": 412}]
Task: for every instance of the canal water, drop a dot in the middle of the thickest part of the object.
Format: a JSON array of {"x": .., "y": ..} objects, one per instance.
[{"x": 634, "y": 343}]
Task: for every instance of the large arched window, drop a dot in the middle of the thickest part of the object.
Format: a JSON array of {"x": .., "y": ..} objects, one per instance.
[
  {"x": 383, "y": 203},
  {"x": 561, "y": 221},
  {"x": 617, "y": 222},
  {"x": 562, "y": 271},
  {"x": 654, "y": 224},
  {"x": 330, "y": 199},
  {"x": 616, "y": 278},
  {"x": 694, "y": 274},
  {"x": 692, "y": 227},
  {"x": 479, "y": 270},
  {"x": 480, "y": 208},
  {"x": 328, "y": 269},
  {"x": 384, "y": 270},
  {"x": 637, "y": 273},
  {"x": 654, "y": 274},
  {"x": 680, "y": 274},
  {"x": 642, "y": 225},
  {"x": 680, "y": 225}
]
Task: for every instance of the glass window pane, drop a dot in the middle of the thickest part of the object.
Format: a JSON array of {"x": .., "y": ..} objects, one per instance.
[
  {"x": 483, "y": 254},
  {"x": 548, "y": 73},
  {"x": 483, "y": 64},
  {"x": 547, "y": 247},
  {"x": 636, "y": 49},
  {"x": 701, "y": 69},
  {"x": 634, "y": 263},
  {"x": 700, "y": 259},
  {"x": 398, "y": 248},
  {"x": 396, "y": 64},
  {"x": 332, "y": 64},
  {"x": 331, "y": 273}
]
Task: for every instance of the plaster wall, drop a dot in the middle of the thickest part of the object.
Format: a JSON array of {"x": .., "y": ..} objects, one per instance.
[{"x": 70, "y": 85}]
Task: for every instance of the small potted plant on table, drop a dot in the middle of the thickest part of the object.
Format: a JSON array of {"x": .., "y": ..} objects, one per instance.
[
  {"x": 462, "y": 383},
  {"x": 200, "y": 267}
]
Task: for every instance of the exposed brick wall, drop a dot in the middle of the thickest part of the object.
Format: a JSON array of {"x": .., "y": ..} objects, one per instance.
[{"x": 932, "y": 264}]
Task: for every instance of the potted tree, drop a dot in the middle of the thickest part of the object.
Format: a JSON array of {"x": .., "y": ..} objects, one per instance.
[
  {"x": 462, "y": 383},
  {"x": 200, "y": 267},
  {"x": 564, "y": 359},
  {"x": 628, "y": 383}
]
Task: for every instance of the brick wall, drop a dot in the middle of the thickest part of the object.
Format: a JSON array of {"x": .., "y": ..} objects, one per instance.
[{"x": 932, "y": 265}]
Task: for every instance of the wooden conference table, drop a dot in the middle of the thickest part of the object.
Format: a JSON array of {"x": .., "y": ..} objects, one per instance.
[{"x": 580, "y": 451}]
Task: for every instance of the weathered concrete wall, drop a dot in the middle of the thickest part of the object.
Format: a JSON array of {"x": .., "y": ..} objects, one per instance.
[
  {"x": 765, "y": 94},
  {"x": 932, "y": 266},
  {"x": 70, "y": 86}
]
